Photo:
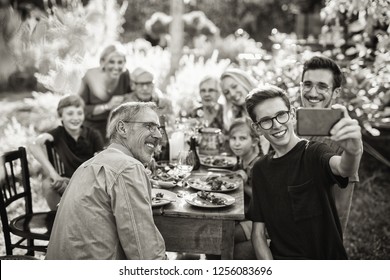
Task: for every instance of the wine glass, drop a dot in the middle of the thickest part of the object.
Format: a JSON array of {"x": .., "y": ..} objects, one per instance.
[{"x": 185, "y": 163}]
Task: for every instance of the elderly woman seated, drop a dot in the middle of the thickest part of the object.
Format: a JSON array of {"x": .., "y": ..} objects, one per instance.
[{"x": 210, "y": 113}]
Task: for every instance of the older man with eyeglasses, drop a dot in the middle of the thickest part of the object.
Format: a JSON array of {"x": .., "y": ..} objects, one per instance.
[
  {"x": 145, "y": 90},
  {"x": 106, "y": 213}
]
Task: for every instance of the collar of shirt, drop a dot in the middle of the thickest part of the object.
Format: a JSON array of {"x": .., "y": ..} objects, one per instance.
[
  {"x": 120, "y": 148},
  {"x": 83, "y": 133}
]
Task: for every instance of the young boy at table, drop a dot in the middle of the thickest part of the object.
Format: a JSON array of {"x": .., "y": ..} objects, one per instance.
[
  {"x": 244, "y": 143},
  {"x": 74, "y": 144},
  {"x": 291, "y": 186}
]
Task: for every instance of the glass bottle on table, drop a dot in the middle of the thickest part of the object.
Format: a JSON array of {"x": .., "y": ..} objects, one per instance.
[
  {"x": 163, "y": 154},
  {"x": 193, "y": 144}
]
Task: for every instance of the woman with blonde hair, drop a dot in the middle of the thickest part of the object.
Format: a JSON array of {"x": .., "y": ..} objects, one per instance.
[
  {"x": 235, "y": 84},
  {"x": 104, "y": 87}
]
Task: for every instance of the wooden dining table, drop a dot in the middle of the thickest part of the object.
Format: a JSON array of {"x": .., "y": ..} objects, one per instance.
[{"x": 191, "y": 229}]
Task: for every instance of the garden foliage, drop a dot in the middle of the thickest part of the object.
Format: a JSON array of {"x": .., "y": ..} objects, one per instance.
[
  {"x": 63, "y": 44},
  {"x": 67, "y": 41}
]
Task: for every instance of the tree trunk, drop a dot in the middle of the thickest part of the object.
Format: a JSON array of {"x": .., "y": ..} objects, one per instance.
[{"x": 176, "y": 31}]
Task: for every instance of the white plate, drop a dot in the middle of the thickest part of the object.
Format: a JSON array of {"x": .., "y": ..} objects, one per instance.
[
  {"x": 231, "y": 182},
  {"x": 195, "y": 200},
  {"x": 229, "y": 162},
  {"x": 163, "y": 184},
  {"x": 170, "y": 197}
]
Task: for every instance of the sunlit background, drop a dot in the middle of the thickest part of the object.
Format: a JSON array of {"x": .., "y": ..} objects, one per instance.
[{"x": 46, "y": 46}]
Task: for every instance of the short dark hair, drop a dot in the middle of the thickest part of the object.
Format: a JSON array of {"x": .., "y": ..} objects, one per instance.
[
  {"x": 322, "y": 62},
  {"x": 69, "y": 100},
  {"x": 260, "y": 94}
]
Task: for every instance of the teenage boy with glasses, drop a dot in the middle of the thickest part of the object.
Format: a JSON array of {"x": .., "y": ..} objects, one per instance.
[
  {"x": 320, "y": 86},
  {"x": 292, "y": 185}
]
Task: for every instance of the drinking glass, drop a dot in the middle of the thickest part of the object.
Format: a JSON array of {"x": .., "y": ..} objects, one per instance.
[{"x": 185, "y": 163}]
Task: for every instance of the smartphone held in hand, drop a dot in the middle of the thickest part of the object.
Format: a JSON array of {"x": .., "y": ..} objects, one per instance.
[{"x": 317, "y": 121}]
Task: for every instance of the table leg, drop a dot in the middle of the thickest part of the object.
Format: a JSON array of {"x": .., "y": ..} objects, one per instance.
[
  {"x": 198, "y": 236},
  {"x": 227, "y": 246}
]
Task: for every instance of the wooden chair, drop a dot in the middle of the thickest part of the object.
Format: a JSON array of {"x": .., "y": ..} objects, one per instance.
[
  {"x": 54, "y": 158},
  {"x": 17, "y": 257},
  {"x": 16, "y": 189}
]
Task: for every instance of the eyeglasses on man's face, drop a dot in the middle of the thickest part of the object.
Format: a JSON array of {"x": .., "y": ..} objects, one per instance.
[
  {"x": 321, "y": 88},
  {"x": 267, "y": 123},
  {"x": 143, "y": 84},
  {"x": 151, "y": 126}
]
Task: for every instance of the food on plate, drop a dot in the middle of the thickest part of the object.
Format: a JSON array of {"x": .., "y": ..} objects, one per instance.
[
  {"x": 158, "y": 197},
  {"x": 216, "y": 161},
  {"x": 211, "y": 198},
  {"x": 165, "y": 174},
  {"x": 162, "y": 197},
  {"x": 215, "y": 182}
]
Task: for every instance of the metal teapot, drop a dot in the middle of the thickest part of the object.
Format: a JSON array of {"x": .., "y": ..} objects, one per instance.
[{"x": 210, "y": 141}]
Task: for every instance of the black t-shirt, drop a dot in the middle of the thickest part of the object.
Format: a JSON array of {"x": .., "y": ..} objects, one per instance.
[
  {"x": 291, "y": 195},
  {"x": 73, "y": 153}
]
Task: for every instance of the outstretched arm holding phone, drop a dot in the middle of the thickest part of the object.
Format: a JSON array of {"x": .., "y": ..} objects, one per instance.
[{"x": 347, "y": 134}]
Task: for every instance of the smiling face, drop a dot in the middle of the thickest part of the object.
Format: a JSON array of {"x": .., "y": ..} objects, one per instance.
[
  {"x": 233, "y": 91},
  {"x": 241, "y": 142},
  {"x": 281, "y": 136},
  {"x": 72, "y": 118},
  {"x": 140, "y": 141},
  {"x": 114, "y": 65},
  {"x": 144, "y": 86},
  {"x": 321, "y": 78},
  {"x": 209, "y": 93}
]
